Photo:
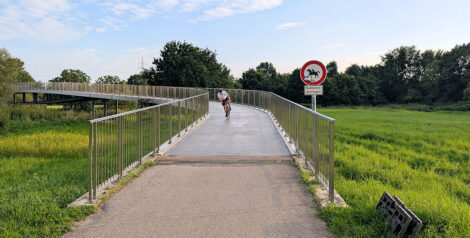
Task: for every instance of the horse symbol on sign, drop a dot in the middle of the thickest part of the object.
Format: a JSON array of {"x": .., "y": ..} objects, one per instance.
[{"x": 314, "y": 73}]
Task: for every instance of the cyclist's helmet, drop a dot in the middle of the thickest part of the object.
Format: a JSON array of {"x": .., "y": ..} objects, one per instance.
[{"x": 220, "y": 90}]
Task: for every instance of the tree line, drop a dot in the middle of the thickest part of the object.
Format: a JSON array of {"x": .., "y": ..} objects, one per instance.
[{"x": 404, "y": 75}]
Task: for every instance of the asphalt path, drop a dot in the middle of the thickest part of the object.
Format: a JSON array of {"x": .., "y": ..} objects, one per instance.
[{"x": 227, "y": 178}]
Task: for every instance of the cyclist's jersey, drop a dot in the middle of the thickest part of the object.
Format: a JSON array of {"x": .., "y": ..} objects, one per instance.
[{"x": 222, "y": 95}]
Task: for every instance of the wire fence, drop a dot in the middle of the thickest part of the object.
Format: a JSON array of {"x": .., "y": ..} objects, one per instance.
[{"x": 312, "y": 133}]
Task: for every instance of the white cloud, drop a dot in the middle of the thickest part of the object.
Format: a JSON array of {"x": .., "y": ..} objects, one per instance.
[
  {"x": 228, "y": 8},
  {"x": 56, "y": 20},
  {"x": 37, "y": 19},
  {"x": 130, "y": 10},
  {"x": 288, "y": 25}
]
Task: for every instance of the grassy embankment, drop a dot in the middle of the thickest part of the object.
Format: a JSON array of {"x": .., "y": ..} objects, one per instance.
[
  {"x": 44, "y": 167},
  {"x": 422, "y": 157}
]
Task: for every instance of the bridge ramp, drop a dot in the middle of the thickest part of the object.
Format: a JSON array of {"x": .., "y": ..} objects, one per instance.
[{"x": 227, "y": 178}]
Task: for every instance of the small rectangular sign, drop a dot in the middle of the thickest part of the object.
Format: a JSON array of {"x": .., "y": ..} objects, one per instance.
[{"x": 313, "y": 90}]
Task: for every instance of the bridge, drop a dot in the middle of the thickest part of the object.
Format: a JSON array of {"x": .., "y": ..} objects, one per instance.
[{"x": 214, "y": 177}]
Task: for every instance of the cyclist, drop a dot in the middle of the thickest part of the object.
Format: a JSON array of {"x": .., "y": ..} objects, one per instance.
[{"x": 224, "y": 98}]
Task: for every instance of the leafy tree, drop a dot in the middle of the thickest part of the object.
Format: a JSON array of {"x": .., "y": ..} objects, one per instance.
[
  {"x": 11, "y": 71},
  {"x": 332, "y": 69},
  {"x": 140, "y": 79},
  {"x": 109, "y": 79},
  {"x": 276, "y": 82},
  {"x": 295, "y": 88},
  {"x": 72, "y": 75},
  {"x": 400, "y": 71},
  {"x": 254, "y": 80},
  {"x": 370, "y": 90},
  {"x": 182, "y": 64},
  {"x": 354, "y": 70},
  {"x": 454, "y": 73},
  {"x": 342, "y": 89}
]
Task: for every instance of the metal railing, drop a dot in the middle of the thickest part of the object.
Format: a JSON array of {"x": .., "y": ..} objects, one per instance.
[
  {"x": 120, "y": 142},
  {"x": 114, "y": 89},
  {"x": 311, "y": 133}
]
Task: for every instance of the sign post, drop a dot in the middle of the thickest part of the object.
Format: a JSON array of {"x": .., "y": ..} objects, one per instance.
[{"x": 313, "y": 73}]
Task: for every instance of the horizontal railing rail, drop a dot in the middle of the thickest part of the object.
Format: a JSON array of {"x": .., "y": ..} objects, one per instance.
[
  {"x": 311, "y": 133},
  {"x": 113, "y": 89}
]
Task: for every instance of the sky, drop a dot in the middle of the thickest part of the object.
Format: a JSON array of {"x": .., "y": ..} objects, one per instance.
[{"x": 114, "y": 37}]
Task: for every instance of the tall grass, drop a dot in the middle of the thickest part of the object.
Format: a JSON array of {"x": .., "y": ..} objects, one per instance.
[
  {"x": 43, "y": 168},
  {"x": 422, "y": 157},
  {"x": 11, "y": 113}
]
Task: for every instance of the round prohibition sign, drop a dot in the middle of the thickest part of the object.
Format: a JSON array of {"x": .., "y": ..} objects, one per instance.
[{"x": 313, "y": 73}]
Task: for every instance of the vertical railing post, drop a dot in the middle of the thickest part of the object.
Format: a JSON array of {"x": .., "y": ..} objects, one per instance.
[
  {"x": 242, "y": 95},
  {"x": 186, "y": 113},
  {"x": 297, "y": 131},
  {"x": 248, "y": 103},
  {"x": 95, "y": 150},
  {"x": 316, "y": 157},
  {"x": 154, "y": 129},
  {"x": 331, "y": 161},
  {"x": 90, "y": 164},
  {"x": 289, "y": 127},
  {"x": 139, "y": 126},
  {"x": 171, "y": 121},
  {"x": 192, "y": 111},
  {"x": 120, "y": 150},
  {"x": 158, "y": 128},
  {"x": 179, "y": 118}
]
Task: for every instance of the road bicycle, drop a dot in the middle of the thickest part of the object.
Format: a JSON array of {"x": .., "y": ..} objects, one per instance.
[{"x": 227, "y": 110}]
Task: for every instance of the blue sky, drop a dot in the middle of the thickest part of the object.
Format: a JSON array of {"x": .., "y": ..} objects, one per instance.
[{"x": 111, "y": 37}]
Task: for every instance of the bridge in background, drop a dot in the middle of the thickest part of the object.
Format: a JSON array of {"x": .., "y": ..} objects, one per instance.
[{"x": 265, "y": 129}]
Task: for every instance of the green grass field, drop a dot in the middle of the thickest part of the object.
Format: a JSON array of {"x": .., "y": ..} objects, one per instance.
[
  {"x": 43, "y": 169},
  {"x": 422, "y": 157}
]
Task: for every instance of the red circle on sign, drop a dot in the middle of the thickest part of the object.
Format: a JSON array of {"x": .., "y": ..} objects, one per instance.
[{"x": 315, "y": 73}]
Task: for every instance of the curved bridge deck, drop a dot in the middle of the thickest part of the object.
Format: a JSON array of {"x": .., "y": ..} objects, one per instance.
[{"x": 227, "y": 178}]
